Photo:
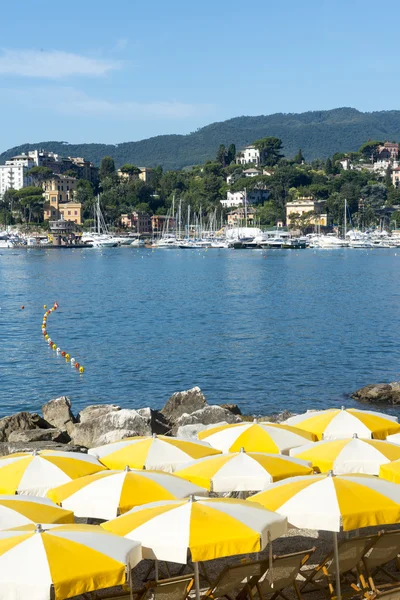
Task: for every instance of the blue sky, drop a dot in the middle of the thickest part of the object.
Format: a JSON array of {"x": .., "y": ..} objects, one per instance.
[{"x": 102, "y": 71}]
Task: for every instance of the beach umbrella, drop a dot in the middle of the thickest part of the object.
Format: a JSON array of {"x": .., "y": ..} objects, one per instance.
[
  {"x": 349, "y": 455},
  {"x": 333, "y": 503},
  {"x": 16, "y": 511},
  {"x": 344, "y": 422},
  {"x": 394, "y": 438},
  {"x": 255, "y": 437},
  {"x": 34, "y": 473},
  {"x": 242, "y": 471},
  {"x": 60, "y": 561},
  {"x": 108, "y": 494},
  {"x": 390, "y": 471},
  {"x": 205, "y": 528},
  {"x": 157, "y": 452}
]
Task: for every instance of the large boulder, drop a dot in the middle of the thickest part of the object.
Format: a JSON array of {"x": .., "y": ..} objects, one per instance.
[
  {"x": 117, "y": 425},
  {"x": 190, "y": 432},
  {"x": 379, "y": 393},
  {"x": 58, "y": 413},
  {"x": 182, "y": 403},
  {"x": 18, "y": 421},
  {"x": 39, "y": 435},
  {"x": 13, "y": 447},
  {"x": 95, "y": 411},
  {"x": 156, "y": 421},
  {"x": 209, "y": 415},
  {"x": 233, "y": 408}
]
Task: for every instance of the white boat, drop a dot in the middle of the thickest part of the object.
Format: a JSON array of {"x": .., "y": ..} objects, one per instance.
[
  {"x": 328, "y": 242},
  {"x": 6, "y": 243},
  {"x": 138, "y": 243},
  {"x": 100, "y": 237}
]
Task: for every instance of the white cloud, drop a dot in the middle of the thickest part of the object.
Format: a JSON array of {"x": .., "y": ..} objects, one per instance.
[
  {"x": 65, "y": 100},
  {"x": 52, "y": 64}
]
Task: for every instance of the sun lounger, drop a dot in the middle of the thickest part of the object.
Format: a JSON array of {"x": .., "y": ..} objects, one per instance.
[
  {"x": 282, "y": 575},
  {"x": 174, "y": 588},
  {"x": 384, "y": 549},
  {"x": 351, "y": 552},
  {"x": 233, "y": 581}
]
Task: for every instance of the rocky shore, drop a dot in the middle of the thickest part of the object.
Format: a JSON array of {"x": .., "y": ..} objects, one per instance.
[
  {"x": 58, "y": 428},
  {"x": 379, "y": 393}
]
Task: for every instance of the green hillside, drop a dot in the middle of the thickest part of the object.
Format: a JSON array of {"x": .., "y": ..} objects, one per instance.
[{"x": 320, "y": 134}]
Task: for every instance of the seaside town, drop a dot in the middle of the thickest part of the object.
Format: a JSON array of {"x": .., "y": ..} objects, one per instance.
[{"x": 251, "y": 198}]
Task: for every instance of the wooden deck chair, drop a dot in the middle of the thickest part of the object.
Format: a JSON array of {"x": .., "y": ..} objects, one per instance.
[
  {"x": 173, "y": 588},
  {"x": 282, "y": 575},
  {"x": 384, "y": 549},
  {"x": 233, "y": 581},
  {"x": 351, "y": 552}
]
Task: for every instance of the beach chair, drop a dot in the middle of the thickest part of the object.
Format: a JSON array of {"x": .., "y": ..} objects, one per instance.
[
  {"x": 323, "y": 577},
  {"x": 173, "y": 588},
  {"x": 234, "y": 581},
  {"x": 282, "y": 576},
  {"x": 384, "y": 549}
]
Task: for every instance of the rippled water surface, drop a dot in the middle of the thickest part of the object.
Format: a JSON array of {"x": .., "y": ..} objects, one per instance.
[{"x": 268, "y": 330}]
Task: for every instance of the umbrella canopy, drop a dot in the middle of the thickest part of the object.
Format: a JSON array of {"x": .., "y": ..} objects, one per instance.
[
  {"x": 394, "y": 439},
  {"x": 207, "y": 528},
  {"x": 35, "y": 473},
  {"x": 333, "y": 502},
  {"x": 255, "y": 437},
  {"x": 337, "y": 423},
  {"x": 390, "y": 471},
  {"x": 151, "y": 452},
  {"x": 348, "y": 455},
  {"x": 242, "y": 471},
  {"x": 108, "y": 494},
  {"x": 74, "y": 559},
  {"x": 16, "y": 511}
]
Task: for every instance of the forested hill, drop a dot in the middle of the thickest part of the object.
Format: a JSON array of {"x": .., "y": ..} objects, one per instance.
[{"x": 320, "y": 134}]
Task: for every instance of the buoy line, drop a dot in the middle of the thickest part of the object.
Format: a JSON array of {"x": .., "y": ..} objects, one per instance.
[{"x": 51, "y": 342}]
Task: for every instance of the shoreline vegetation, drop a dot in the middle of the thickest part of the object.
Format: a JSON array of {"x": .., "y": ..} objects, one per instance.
[{"x": 184, "y": 415}]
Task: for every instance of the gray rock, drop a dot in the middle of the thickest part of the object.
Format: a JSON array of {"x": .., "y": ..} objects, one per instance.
[
  {"x": 233, "y": 408},
  {"x": 12, "y": 447},
  {"x": 278, "y": 417},
  {"x": 190, "y": 432},
  {"x": 21, "y": 420},
  {"x": 182, "y": 403},
  {"x": 379, "y": 393},
  {"x": 39, "y": 435},
  {"x": 156, "y": 420},
  {"x": 95, "y": 411},
  {"x": 91, "y": 433},
  {"x": 209, "y": 415},
  {"x": 58, "y": 413}
]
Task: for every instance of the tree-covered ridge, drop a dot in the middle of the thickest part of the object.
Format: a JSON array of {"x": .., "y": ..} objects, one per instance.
[{"x": 319, "y": 133}]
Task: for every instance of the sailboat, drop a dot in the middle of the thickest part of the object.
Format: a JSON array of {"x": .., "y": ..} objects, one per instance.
[{"x": 100, "y": 237}]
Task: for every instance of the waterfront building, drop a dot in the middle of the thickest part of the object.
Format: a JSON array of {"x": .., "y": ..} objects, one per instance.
[
  {"x": 138, "y": 222},
  {"x": 160, "y": 223},
  {"x": 145, "y": 174},
  {"x": 13, "y": 174},
  {"x": 306, "y": 204},
  {"x": 59, "y": 203},
  {"x": 240, "y": 215}
]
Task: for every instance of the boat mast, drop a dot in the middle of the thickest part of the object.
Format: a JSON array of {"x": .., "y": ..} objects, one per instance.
[{"x": 345, "y": 217}]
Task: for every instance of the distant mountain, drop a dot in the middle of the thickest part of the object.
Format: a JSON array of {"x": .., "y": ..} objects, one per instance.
[{"x": 319, "y": 133}]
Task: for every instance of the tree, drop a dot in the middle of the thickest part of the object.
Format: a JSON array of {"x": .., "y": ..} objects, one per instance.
[
  {"x": 368, "y": 149},
  {"x": 221, "y": 155},
  {"x": 299, "y": 158},
  {"x": 30, "y": 200},
  {"x": 328, "y": 167},
  {"x": 107, "y": 167},
  {"x": 388, "y": 177},
  {"x": 131, "y": 170},
  {"x": 71, "y": 173},
  {"x": 270, "y": 150},
  {"x": 231, "y": 155},
  {"x": 267, "y": 213},
  {"x": 39, "y": 174}
]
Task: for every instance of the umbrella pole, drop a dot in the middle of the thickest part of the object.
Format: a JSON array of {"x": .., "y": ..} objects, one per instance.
[
  {"x": 196, "y": 579},
  {"x": 336, "y": 555}
]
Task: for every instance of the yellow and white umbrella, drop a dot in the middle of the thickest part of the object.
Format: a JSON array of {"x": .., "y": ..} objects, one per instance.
[
  {"x": 108, "y": 494},
  {"x": 394, "y": 438},
  {"x": 348, "y": 455},
  {"x": 255, "y": 437},
  {"x": 391, "y": 471},
  {"x": 151, "y": 452},
  {"x": 333, "y": 503},
  {"x": 16, "y": 511},
  {"x": 242, "y": 471},
  {"x": 35, "y": 473},
  {"x": 337, "y": 423},
  {"x": 71, "y": 559},
  {"x": 207, "y": 528}
]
